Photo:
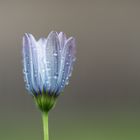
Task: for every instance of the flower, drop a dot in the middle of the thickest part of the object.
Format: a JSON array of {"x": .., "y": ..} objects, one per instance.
[{"x": 48, "y": 64}]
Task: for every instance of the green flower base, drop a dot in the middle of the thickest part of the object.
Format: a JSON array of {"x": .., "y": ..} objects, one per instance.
[{"x": 45, "y": 102}]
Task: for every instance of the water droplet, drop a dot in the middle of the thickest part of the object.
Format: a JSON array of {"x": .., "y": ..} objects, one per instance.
[
  {"x": 28, "y": 86},
  {"x": 74, "y": 59},
  {"x": 26, "y": 72},
  {"x": 55, "y": 77},
  {"x": 67, "y": 63},
  {"x": 25, "y": 80},
  {"x": 67, "y": 82},
  {"x": 70, "y": 74},
  {"x": 43, "y": 70},
  {"x": 55, "y": 54}
]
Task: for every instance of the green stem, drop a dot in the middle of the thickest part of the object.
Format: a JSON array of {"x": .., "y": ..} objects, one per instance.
[{"x": 45, "y": 125}]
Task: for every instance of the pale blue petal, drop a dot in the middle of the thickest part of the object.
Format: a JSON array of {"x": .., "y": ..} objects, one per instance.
[
  {"x": 35, "y": 64},
  {"x": 67, "y": 57},
  {"x": 26, "y": 62},
  {"x": 62, "y": 39},
  {"x": 52, "y": 60},
  {"x": 41, "y": 51},
  {"x": 31, "y": 62}
]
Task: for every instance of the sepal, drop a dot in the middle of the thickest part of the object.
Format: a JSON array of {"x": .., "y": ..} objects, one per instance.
[{"x": 45, "y": 102}]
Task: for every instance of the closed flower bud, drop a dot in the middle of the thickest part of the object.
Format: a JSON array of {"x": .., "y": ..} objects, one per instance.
[{"x": 48, "y": 64}]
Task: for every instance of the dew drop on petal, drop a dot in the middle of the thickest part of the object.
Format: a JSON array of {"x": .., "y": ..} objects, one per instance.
[
  {"x": 70, "y": 74},
  {"x": 55, "y": 54},
  {"x": 63, "y": 81},
  {"x": 43, "y": 70},
  {"x": 55, "y": 77},
  {"x": 74, "y": 59},
  {"x": 67, "y": 63},
  {"x": 67, "y": 82},
  {"x": 27, "y": 72}
]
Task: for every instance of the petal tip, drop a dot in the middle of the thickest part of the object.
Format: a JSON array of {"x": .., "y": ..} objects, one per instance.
[
  {"x": 52, "y": 34},
  {"x": 27, "y": 35},
  {"x": 72, "y": 41}
]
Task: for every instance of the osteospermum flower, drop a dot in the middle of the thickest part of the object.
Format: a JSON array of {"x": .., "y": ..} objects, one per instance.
[{"x": 48, "y": 64}]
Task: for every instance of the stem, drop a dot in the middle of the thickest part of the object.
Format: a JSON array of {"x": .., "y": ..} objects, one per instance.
[{"x": 45, "y": 125}]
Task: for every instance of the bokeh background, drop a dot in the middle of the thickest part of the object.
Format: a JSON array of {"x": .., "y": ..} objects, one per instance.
[{"x": 102, "y": 101}]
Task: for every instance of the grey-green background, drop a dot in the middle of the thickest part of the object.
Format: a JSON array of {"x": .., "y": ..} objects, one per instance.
[{"x": 102, "y": 101}]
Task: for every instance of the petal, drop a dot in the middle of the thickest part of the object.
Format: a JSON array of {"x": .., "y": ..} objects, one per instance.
[
  {"x": 62, "y": 39},
  {"x": 30, "y": 62},
  {"x": 68, "y": 55},
  {"x": 71, "y": 42},
  {"x": 52, "y": 60},
  {"x": 27, "y": 62},
  {"x": 41, "y": 45},
  {"x": 42, "y": 42}
]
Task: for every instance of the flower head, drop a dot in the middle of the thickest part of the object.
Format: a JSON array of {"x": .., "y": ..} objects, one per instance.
[{"x": 48, "y": 63}]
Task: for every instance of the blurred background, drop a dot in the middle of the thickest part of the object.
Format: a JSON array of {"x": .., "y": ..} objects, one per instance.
[{"x": 102, "y": 101}]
